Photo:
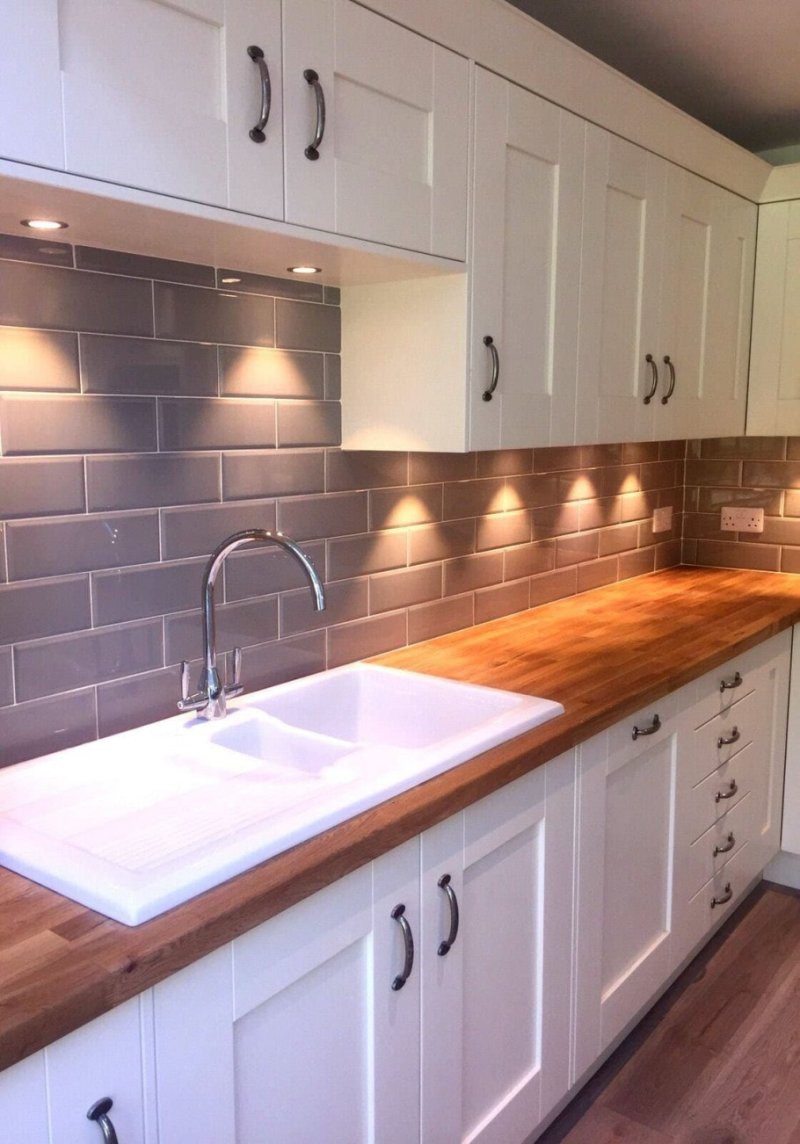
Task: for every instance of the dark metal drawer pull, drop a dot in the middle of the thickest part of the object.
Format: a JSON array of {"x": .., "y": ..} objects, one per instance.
[
  {"x": 671, "y": 390},
  {"x": 398, "y": 913},
  {"x": 726, "y": 740},
  {"x": 488, "y": 341},
  {"x": 256, "y": 54},
  {"x": 730, "y": 842},
  {"x": 728, "y": 684},
  {"x": 648, "y": 397},
  {"x": 651, "y": 730},
  {"x": 99, "y": 1113},
  {"x": 312, "y": 79},
  {"x": 726, "y": 896},
  {"x": 729, "y": 793},
  {"x": 447, "y": 945}
]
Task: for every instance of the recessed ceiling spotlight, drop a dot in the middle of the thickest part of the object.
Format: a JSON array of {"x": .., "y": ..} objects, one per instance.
[
  {"x": 44, "y": 224},
  {"x": 304, "y": 269}
]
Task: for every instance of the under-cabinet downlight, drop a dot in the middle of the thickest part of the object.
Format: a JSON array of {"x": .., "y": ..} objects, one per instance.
[
  {"x": 44, "y": 224},
  {"x": 304, "y": 269}
]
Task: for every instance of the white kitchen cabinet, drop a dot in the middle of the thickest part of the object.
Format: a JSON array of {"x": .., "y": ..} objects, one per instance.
[
  {"x": 168, "y": 97},
  {"x": 46, "y": 1097},
  {"x": 392, "y": 163},
  {"x": 525, "y": 267},
  {"x": 774, "y": 405},
  {"x": 666, "y": 292},
  {"x": 626, "y": 796},
  {"x": 295, "y": 1031}
]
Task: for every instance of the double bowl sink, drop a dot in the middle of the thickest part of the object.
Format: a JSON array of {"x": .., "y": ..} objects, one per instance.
[{"x": 140, "y": 822}]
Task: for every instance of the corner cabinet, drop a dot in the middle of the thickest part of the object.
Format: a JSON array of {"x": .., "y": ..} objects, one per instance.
[
  {"x": 228, "y": 102},
  {"x": 420, "y": 998}
]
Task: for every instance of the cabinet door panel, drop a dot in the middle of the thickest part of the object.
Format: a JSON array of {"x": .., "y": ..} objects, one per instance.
[
  {"x": 620, "y": 288},
  {"x": 774, "y": 407},
  {"x": 31, "y": 125},
  {"x": 153, "y": 116},
  {"x": 526, "y": 266},
  {"x": 23, "y": 1102},
  {"x": 101, "y": 1059},
  {"x": 392, "y": 164}
]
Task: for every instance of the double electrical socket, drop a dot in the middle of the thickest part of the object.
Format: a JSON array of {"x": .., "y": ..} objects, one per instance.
[
  {"x": 741, "y": 519},
  {"x": 662, "y": 518}
]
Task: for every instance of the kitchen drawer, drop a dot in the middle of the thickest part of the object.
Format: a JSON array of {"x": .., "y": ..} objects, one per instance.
[
  {"x": 742, "y": 721},
  {"x": 735, "y": 829},
  {"x": 622, "y": 746},
  {"x": 712, "y": 699},
  {"x": 699, "y": 916},
  {"x": 701, "y": 808}
]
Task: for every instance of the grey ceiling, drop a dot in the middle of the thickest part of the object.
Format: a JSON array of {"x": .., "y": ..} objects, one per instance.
[{"x": 734, "y": 64}]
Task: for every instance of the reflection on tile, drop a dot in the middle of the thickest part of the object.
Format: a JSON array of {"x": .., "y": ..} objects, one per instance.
[
  {"x": 141, "y": 266},
  {"x": 261, "y": 571},
  {"x": 154, "y": 590},
  {"x": 238, "y": 625},
  {"x": 770, "y": 474},
  {"x": 309, "y": 423},
  {"x": 439, "y": 541},
  {"x": 38, "y": 359},
  {"x": 143, "y": 366},
  {"x": 6, "y": 677},
  {"x": 425, "y": 468},
  {"x": 364, "y": 470},
  {"x": 50, "y": 298},
  {"x": 618, "y": 539},
  {"x": 216, "y": 424},
  {"x": 335, "y": 514},
  {"x": 358, "y": 555},
  {"x": 68, "y": 662},
  {"x": 79, "y": 544},
  {"x": 307, "y": 326},
  {"x": 42, "y": 487},
  {"x": 198, "y": 531},
  {"x": 249, "y": 372},
  {"x": 396, "y": 508},
  {"x": 502, "y": 529},
  {"x": 440, "y": 616},
  {"x": 529, "y": 559},
  {"x": 501, "y": 600},
  {"x": 44, "y": 725},
  {"x": 24, "y": 249},
  {"x": 38, "y": 424},
  {"x": 29, "y": 611},
  {"x": 189, "y": 313},
  {"x": 240, "y": 281},
  {"x": 399, "y": 589},
  {"x": 272, "y": 474},
  {"x": 350, "y": 642},
  {"x": 138, "y": 700},
  {"x": 505, "y": 462},
  {"x": 468, "y": 572},
  {"x": 576, "y": 549},
  {"x": 149, "y": 481}
]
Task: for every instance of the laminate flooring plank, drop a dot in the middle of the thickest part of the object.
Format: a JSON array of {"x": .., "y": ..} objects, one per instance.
[{"x": 601, "y": 1125}]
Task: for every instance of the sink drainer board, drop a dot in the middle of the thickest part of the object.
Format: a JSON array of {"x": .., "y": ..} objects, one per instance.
[{"x": 139, "y": 822}]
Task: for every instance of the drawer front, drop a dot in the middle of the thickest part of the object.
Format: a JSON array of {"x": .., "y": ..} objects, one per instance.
[
  {"x": 714, "y": 849},
  {"x": 624, "y": 745},
  {"x": 717, "y": 794},
  {"x": 718, "y": 740},
  {"x": 714, "y": 699}
]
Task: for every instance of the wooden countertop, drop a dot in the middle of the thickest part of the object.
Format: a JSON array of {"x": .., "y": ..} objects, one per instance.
[{"x": 603, "y": 654}]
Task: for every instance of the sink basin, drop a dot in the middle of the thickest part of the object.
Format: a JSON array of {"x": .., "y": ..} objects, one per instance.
[{"x": 140, "y": 822}]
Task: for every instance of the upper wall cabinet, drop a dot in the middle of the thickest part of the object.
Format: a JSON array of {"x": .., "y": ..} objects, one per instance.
[
  {"x": 665, "y": 299},
  {"x": 338, "y": 120},
  {"x": 526, "y": 260},
  {"x": 774, "y": 406}
]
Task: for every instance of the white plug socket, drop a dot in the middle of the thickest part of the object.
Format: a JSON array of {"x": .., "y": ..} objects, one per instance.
[
  {"x": 741, "y": 519},
  {"x": 662, "y": 518}
]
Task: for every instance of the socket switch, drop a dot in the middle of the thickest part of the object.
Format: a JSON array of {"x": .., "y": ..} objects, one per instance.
[
  {"x": 741, "y": 519},
  {"x": 662, "y": 518}
]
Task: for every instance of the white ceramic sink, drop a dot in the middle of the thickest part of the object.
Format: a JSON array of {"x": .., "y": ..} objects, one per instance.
[{"x": 139, "y": 822}]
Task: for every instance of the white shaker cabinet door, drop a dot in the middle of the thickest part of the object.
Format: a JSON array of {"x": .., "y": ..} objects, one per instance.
[
  {"x": 774, "y": 404},
  {"x": 23, "y": 1101},
  {"x": 526, "y": 255},
  {"x": 391, "y": 165},
  {"x": 31, "y": 127},
  {"x": 623, "y": 220},
  {"x": 705, "y": 309},
  {"x": 156, "y": 94}
]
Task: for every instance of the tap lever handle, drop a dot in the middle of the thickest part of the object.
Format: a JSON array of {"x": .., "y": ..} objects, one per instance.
[
  {"x": 237, "y": 666},
  {"x": 184, "y": 679}
]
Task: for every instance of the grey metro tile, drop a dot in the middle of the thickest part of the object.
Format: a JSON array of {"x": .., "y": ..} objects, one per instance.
[
  {"x": 31, "y": 610},
  {"x": 197, "y": 531},
  {"x": 362, "y": 638},
  {"x": 307, "y": 326},
  {"x": 190, "y": 313},
  {"x": 272, "y": 474},
  {"x": 142, "y": 266},
  {"x": 52, "y": 298},
  {"x": 252, "y": 372},
  {"x": 28, "y": 730},
  {"x": 225, "y": 423},
  {"x": 80, "y": 544},
  {"x": 6, "y": 677},
  {"x": 240, "y": 281},
  {"x": 137, "y": 700},
  {"x": 81, "y": 424},
  {"x": 151, "y": 480},
  {"x": 309, "y": 423},
  {"x": 22, "y": 248},
  {"x": 265, "y": 570},
  {"x": 238, "y": 625},
  {"x": 154, "y": 590},
  {"x": 38, "y": 360},
  {"x": 44, "y": 486},
  {"x": 139, "y": 366}
]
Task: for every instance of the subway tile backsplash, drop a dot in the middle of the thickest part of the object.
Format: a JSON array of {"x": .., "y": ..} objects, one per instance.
[{"x": 148, "y": 408}]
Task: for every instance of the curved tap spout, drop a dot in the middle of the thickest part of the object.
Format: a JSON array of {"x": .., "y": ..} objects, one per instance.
[{"x": 210, "y": 699}]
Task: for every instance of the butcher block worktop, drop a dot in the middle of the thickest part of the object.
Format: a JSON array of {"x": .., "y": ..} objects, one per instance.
[{"x": 604, "y": 655}]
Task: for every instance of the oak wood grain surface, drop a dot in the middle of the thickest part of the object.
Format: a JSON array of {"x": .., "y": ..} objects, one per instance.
[{"x": 604, "y": 655}]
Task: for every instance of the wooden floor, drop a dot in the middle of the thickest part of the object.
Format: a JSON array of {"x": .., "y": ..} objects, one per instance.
[{"x": 718, "y": 1060}]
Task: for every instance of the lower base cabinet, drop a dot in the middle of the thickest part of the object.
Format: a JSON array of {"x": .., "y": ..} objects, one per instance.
[
  {"x": 405, "y": 1002},
  {"x": 457, "y": 988}
]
